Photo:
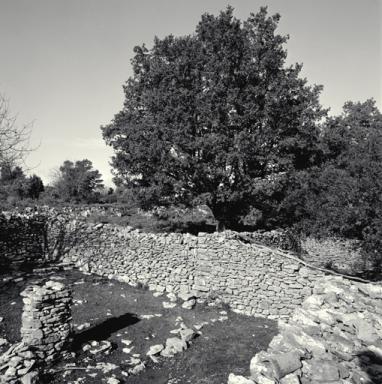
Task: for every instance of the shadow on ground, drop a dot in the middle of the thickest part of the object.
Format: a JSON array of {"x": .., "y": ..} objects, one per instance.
[{"x": 104, "y": 330}]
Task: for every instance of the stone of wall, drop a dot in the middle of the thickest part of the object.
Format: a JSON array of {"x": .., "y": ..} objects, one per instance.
[
  {"x": 45, "y": 331},
  {"x": 335, "y": 337}
]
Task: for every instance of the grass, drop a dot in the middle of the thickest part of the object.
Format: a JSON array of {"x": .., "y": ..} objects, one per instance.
[
  {"x": 171, "y": 219},
  {"x": 114, "y": 311}
]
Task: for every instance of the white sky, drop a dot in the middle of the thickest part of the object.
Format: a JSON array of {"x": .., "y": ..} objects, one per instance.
[{"x": 63, "y": 62}]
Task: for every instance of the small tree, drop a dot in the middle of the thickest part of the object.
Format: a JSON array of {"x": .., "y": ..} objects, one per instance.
[
  {"x": 215, "y": 118},
  {"x": 78, "y": 181},
  {"x": 35, "y": 187},
  {"x": 14, "y": 183}
]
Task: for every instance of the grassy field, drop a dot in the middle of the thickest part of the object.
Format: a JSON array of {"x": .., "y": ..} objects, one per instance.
[{"x": 125, "y": 315}]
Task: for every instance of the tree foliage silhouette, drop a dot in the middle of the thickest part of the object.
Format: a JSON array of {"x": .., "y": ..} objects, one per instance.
[{"x": 215, "y": 117}]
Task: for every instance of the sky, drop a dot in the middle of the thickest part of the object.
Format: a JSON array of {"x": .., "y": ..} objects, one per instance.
[{"x": 63, "y": 62}]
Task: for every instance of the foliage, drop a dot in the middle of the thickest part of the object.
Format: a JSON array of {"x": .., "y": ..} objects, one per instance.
[
  {"x": 78, "y": 181},
  {"x": 343, "y": 196},
  {"x": 215, "y": 117},
  {"x": 14, "y": 185},
  {"x": 34, "y": 187}
]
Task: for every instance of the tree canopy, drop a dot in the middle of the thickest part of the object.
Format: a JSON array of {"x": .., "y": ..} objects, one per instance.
[
  {"x": 343, "y": 196},
  {"x": 215, "y": 117},
  {"x": 78, "y": 181}
]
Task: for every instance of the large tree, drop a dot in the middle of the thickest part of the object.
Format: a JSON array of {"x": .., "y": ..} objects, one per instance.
[{"x": 215, "y": 117}]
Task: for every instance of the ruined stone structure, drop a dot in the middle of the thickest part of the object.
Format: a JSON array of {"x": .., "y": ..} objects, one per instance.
[
  {"x": 334, "y": 337},
  {"x": 45, "y": 332}
]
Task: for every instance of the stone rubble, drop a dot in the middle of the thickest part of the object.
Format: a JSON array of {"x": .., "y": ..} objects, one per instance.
[
  {"x": 334, "y": 337},
  {"x": 173, "y": 346},
  {"x": 98, "y": 347}
]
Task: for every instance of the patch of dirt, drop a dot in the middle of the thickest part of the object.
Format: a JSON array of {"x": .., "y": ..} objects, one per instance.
[{"x": 132, "y": 320}]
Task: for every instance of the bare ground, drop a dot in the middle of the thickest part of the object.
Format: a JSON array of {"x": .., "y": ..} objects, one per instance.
[{"x": 116, "y": 312}]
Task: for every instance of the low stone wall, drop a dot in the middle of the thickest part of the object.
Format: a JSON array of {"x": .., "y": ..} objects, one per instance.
[
  {"x": 335, "y": 337},
  {"x": 250, "y": 278},
  {"x": 45, "y": 332}
]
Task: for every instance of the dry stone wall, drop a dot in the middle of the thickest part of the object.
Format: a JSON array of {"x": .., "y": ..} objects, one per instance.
[
  {"x": 46, "y": 318},
  {"x": 250, "y": 278},
  {"x": 46, "y": 329}
]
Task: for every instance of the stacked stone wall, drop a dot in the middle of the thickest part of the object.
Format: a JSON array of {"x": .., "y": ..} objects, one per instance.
[
  {"x": 156, "y": 260},
  {"x": 248, "y": 277},
  {"x": 222, "y": 265},
  {"x": 45, "y": 331}
]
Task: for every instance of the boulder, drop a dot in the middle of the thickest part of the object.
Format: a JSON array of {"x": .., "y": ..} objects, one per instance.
[
  {"x": 30, "y": 378},
  {"x": 155, "y": 349},
  {"x": 292, "y": 378},
  {"x": 172, "y": 297},
  {"x": 174, "y": 345},
  {"x": 189, "y": 304},
  {"x": 275, "y": 366},
  {"x": 234, "y": 379},
  {"x": 187, "y": 334},
  {"x": 137, "y": 369},
  {"x": 185, "y": 296},
  {"x": 321, "y": 371},
  {"x": 113, "y": 380}
]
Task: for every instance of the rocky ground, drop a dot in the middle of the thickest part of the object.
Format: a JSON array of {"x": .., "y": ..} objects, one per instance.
[
  {"x": 334, "y": 337},
  {"x": 127, "y": 335}
]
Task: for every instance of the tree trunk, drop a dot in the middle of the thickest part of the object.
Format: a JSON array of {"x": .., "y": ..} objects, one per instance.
[
  {"x": 225, "y": 217},
  {"x": 220, "y": 226}
]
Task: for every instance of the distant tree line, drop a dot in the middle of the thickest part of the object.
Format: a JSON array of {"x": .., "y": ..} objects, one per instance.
[{"x": 75, "y": 182}]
